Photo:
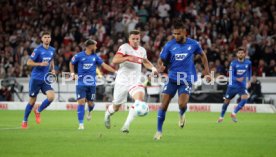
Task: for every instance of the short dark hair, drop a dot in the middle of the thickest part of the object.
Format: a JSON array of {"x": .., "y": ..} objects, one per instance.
[
  {"x": 178, "y": 24},
  {"x": 135, "y": 32},
  {"x": 45, "y": 33},
  {"x": 89, "y": 42},
  {"x": 240, "y": 49}
]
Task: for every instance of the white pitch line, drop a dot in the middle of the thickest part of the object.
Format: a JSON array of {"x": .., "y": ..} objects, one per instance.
[{"x": 14, "y": 128}]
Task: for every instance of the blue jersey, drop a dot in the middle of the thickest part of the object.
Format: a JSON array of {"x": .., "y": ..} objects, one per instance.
[
  {"x": 179, "y": 58},
  {"x": 41, "y": 54},
  {"x": 237, "y": 70},
  {"x": 87, "y": 65}
]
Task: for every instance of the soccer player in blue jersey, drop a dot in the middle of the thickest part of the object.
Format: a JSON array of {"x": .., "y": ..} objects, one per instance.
[
  {"x": 178, "y": 56},
  {"x": 240, "y": 69},
  {"x": 42, "y": 61},
  {"x": 87, "y": 62}
]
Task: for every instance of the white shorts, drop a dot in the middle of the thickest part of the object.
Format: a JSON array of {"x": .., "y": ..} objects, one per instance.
[{"x": 121, "y": 92}]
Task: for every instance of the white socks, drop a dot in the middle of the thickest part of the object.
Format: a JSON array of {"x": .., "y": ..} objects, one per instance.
[{"x": 130, "y": 117}]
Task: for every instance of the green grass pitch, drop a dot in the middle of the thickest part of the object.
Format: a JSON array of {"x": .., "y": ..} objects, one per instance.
[{"x": 57, "y": 136}]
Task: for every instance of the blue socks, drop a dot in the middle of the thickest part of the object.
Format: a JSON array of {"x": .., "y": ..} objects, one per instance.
[
  {"x": 90, "y": 108},
  {"x": 44, "y": 104},
  {"x": 160, "y": 119},
  {"x": 182, "y": 110},
  {"x": 240, "y": 105},
  {"x": 28, "y": 110},
  {"x": 81, "y": 113},
  {"x": 223, "y": 110}
]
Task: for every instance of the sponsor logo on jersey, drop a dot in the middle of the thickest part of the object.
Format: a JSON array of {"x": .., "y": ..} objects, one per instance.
[
  {"x": 240, "y": 72},
  {"x": 181, "y": 56},
  {"x": 87, "y": 66},
  {"x": 46, "y": 59}
]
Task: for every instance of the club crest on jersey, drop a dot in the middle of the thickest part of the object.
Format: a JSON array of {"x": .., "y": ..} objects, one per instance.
[
  {"x": 181, "y": 56},
  {"x": 87, "y": 66},
  {"x": 190, "y": 47},
  {"x": 33, "y": 54}
]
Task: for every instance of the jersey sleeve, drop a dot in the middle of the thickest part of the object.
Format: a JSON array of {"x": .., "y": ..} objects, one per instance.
[
  {"x": 122, "y": 50},
  {"x": 165, "y": 53},
  {"x": 75, "y": 59},
  {"x": 198, "y": 49},
  {"x": 34, "y": 56},
  {"x": 99, "y": 60}
]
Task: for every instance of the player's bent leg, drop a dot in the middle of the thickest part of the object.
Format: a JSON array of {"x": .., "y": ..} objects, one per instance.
[
  {"x": 239, "y": 107},
  {"x": 182, "y": 101},
  {"x": 50, "y": 98}
]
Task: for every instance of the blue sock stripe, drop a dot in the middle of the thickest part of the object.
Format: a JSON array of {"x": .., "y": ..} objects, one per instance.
[
  {"x": 240, "y": 105},
  {"x": 28, "y": 110},
  {"x": 160, "y": 119},
  {"x": 81, "y": 113}
]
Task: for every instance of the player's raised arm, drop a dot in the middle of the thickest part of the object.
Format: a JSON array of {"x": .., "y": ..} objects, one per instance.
[{"x": 108, "y": 68}]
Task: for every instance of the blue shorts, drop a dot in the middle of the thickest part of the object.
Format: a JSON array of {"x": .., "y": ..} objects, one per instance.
[
  {"x": 171, "y": 87},
  {"x": 36, "y": 85},
  {"x": 232, "y": 91},
  {"x": 88, "y": 92}
]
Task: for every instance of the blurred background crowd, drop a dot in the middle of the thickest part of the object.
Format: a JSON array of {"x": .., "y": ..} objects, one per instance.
[{"x": 219, "y": 25}]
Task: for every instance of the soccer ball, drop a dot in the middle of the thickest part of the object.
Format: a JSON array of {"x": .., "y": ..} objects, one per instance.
[{"x": 141, "y": 109}]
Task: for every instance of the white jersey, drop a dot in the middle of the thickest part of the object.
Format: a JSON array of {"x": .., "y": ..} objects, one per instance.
[{"x": 129, "y": 72}]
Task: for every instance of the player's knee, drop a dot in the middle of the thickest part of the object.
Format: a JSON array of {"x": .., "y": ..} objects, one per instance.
[
  {"x": 226, "y": 101},
  {"x": 51, "y": 97}
]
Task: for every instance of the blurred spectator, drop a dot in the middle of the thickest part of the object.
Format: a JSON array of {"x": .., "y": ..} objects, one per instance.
[
  {"x": 255, "y": 91},
  {"x": 220, "y": 26}
]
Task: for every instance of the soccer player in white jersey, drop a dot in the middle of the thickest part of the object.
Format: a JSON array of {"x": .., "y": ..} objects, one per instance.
[{"x": 130, "y": 58}]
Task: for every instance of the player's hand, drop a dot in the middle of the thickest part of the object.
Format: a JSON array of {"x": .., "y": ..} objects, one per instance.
[
  {"x": 154, "y": 71},
  {"x": 240, "y": 79},
  {"x": 54, "y": 72},
  {"x": 43, "y": 64},
  {"x": 73, "y": 76}
]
